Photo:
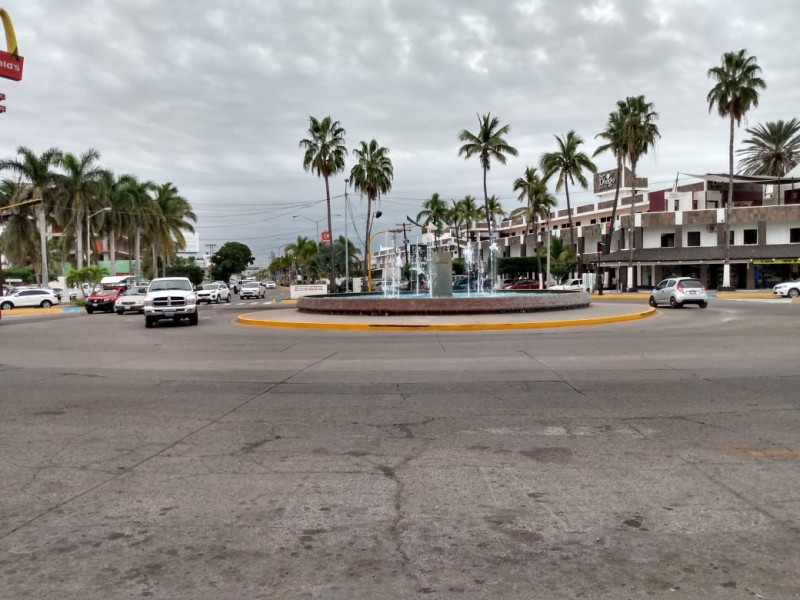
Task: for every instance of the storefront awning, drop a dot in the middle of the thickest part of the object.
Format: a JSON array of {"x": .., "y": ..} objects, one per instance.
[{"x": 762, "y": 179}]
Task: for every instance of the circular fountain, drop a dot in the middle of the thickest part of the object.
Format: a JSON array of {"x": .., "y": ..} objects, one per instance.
[{"x": 440, "y": 299}]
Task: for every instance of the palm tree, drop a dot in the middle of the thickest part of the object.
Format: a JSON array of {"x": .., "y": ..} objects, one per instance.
[
  {"x": 38, "y": 172},
  {"x": 487, "y": 144},
  {"x": 613, "y": 135},
  {"x": 302, "y": 251},
  {"x": 142, "y": 216},
  {"x": 569, "y": 163},
  {"x": 735, "y": 92},
  {"x": 533, "y": 191},
  {"x": 640, "y": 133},
  {"x": 324, "y": 155},
  {"x": 172, "y": 216},
  {"x": 346, "y": 251},
  {"x": 434, "y": 210},
  {"x": 773, "y": 148},
  {"x": 80, "y": 185},
  {"x": 372, "y": 176},
  {"x": 117, "y": 193},
  {"x": 19, "y": 238},
  {"x": 469, "y": 212},
  {"x": 494, "y": 209}
]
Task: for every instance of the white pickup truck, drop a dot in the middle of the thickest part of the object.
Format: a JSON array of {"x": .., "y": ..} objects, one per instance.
[{"x": 170, "y": 298}]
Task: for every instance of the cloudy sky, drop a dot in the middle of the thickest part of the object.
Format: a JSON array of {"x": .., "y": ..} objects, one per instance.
[{"x": 214, "y": 96}]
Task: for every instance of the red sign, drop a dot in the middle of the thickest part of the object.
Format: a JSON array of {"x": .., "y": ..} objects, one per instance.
[
  {"x": 11, "y": 67},
  {"x": 325, "y": 236}
]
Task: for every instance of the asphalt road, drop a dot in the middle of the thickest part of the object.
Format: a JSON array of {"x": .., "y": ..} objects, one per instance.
[{"x": 652, "y": 459}]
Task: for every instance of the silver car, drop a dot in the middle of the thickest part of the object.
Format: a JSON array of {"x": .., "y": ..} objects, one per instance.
[{"x": 679, "y": 291}]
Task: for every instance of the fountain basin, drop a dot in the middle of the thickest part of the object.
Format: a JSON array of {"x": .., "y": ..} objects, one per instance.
[{"x": 506, "y": 302}]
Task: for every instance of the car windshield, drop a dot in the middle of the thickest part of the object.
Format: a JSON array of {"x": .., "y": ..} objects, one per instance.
[
  {"x": 136, "y": 292},
  {"x": 106, "y": 292},
  {"x": 250, "y": 284},
  {"x": 171, "y": 284},
  {"x": 211, "y": 286},
  {"x": 690, "y": 283}
]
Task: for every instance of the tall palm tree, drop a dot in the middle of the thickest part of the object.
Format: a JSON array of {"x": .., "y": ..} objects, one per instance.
[
  {"x": 142, "y": 216},
  {"x": 487, "y": 144},
  {"x": 640, "y": 133},
  {"x": 469, "y": 212},
  {"x": 538, "y": 199},
  {"x": 302, "y": 251},
  {"x": 118, "y": 193},
  {"x": 324, "y": 155},
  {"x": 80, "y": 185},
  {"x": 734, "y": 93},
  {"x": 614, "y": 142},
  {"x": 172, "y": 216},
  {"x": 38, "y": 171},
  {"x": 372, "y": 176},
  {"x": 773, "y": 148},
  {"x": 494, "y": 209},
  {"x": 569, "y": 163}
]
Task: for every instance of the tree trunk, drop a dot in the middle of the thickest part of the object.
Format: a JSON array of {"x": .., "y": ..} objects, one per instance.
[
  {"x": 536, "y": 249},
  {"x": 572, "y": 244},
  {"x": 726, "y": 268},
  {"x": 332, "y": 258},
  {"x": 138, "y": 252},
  {"x": 368, "y": 230},
  {"x": 41, "y": 216},
  {"x": 79, "y": 238},
  {"x": 608, "y": 238},
  {"x": 155, "y": 262},
  {"x": 112, "y": 250},
  {"x": 486, "y": 207},
  {"x": 631, "y": 227}
]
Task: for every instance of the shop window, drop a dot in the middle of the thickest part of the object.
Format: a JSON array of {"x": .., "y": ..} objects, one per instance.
[
  {"x": 692, "y": 238},
  {"x": 750, "y": 237},
  {"x": 794, "y": 235},
  {"x": 667, "y": 240}
]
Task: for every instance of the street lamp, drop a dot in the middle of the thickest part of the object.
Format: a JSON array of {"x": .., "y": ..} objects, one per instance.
[
  {"x": 346, "y": 241},
  {"x": 315, "y": 221},
  {"x": 89, "y": 234}
]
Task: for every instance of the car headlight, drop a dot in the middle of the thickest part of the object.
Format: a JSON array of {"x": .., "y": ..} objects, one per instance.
[
  {"x": 191, "y": 299},
  {"x": 148, "y": 302}
]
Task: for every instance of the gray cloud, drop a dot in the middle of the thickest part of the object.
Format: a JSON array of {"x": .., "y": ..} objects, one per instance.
[{"x": 215, "y": 96}]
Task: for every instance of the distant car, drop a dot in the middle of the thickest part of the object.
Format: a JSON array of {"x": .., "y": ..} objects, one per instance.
[
  {"x": 271, "y": 285},
  {"x": 523, "y": 284},
  {"x": 789, "y": 289},
  {"x": 59, "y": 292},
  {"x": 131, "y": 301},
  {"x": 679, "y": 291},
  {"x": 73, "y": 293},
  {"x": 103, "y": 300},
  {"x": 31, "y": 297},
  {"x": 252, "y": 289},
  {"x": 213, "y": 292},
  {"x": 574, "y": 285}
]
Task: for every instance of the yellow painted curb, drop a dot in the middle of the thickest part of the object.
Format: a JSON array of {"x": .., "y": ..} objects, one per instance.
[
  {"x": 33, "y": 311},
  {"x": 734, "y": 295},
  {"x": 245, "y": 320}
]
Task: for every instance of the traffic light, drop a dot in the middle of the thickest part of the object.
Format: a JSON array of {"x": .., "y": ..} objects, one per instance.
[{"x": 437, "y": 222}]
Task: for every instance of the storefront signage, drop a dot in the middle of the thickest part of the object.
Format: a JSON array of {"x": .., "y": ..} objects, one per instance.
[
  {"x": 776, "y": 261},
  {"x": 10, "y": 62}
]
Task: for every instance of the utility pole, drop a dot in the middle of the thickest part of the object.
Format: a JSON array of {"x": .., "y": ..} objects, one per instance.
[
  {"x": 211, "y": 248},
  {"x": 346, "y": 241}
]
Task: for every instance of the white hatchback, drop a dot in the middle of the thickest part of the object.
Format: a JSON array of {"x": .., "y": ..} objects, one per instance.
[{"x": 679, "y": 291}]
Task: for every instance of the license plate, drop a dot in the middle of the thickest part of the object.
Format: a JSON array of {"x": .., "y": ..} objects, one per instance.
[{"x": 169, "y": 314}]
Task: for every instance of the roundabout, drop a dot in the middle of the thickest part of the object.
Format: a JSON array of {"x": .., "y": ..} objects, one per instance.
[{"x": 592, "y": 314}]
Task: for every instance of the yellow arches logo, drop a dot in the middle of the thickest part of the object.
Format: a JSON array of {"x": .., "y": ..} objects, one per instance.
[{"x": 10, "y": 62}]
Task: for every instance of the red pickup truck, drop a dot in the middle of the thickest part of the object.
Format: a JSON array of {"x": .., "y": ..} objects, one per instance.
[{"x": 103, "y": 300}]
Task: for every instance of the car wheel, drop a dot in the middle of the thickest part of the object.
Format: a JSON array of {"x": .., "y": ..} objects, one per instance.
[
  {"x": 194, "y": 318},
  {"x": 6, "y": 306},
  {"x": 674, "y": 303},
  {"x": 652, "y": 302},
  {"x": 89, "y": 311},
  {"x": 703, "y": 304},
  {"x": 46, "y": 304},
  {"x": 229, "y": 298},
  {"x": 120, "y": 312},
  {"x": 149, "y": 322},
  {"x": 794, "y": 292}
]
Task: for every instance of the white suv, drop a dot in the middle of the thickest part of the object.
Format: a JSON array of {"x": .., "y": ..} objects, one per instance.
[
  {"x": 677, "y": 291},
  {"x": 170, "y": 298}
]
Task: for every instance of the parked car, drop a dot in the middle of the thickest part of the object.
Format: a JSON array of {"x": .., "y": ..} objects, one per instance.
[
  {"x": 523, "y": 284},
  {"x": 131, "y": 301},
  {"x": 679, "y": 291},
  {"x": 103, "y": 300},
  {"x": 271, "y": 285},
  {"x": 213, "y": 292},
  {"x": 30, "y": 297},
  {"x": 59, "y": 292},
  {"x": 573, "y": 285},
  {"x": 252, "y": 289},
  {"x": 789, "y": 289},
  {"x": 170, "y": 298}
]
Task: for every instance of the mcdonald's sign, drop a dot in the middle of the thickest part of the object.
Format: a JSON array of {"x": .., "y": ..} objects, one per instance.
[{"x": 10, "y": 62}]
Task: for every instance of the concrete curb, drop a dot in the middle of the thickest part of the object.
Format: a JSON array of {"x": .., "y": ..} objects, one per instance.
[
  {"x": 340, "y": 326},
  {"x": 42, "y": 311}
]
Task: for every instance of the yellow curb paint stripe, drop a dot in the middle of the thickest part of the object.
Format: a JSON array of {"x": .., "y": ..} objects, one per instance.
[
  {"x": 245, "y": 320},
  {"x": 33, "y": 311}
]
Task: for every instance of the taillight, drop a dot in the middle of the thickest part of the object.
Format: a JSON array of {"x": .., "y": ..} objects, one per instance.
[
  {"x": 680, "y": 288},
  {"x": 702, "y": 288}
]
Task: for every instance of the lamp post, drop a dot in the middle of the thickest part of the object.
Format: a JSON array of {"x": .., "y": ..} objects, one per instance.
[
  {"x": 89, "y": 234},
  {"x": 315, "y": 221}
]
